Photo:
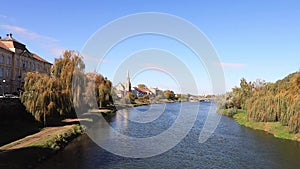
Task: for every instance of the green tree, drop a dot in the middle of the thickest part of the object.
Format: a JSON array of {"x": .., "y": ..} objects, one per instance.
[
  {"x": 50, "y": 98},
  {"x": 170, "y": 95},
  {"x": 142, "y": 86},
  {"x": 269, "y": 102}
]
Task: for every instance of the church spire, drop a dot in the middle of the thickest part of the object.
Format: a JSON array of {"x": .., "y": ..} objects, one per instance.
[
  {"x": 127, "y": 83},
  {"x": 127, "y": 77}
]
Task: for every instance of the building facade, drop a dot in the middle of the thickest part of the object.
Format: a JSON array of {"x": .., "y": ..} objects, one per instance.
[
  {"x": 15, "y": 61},
  {"x": 119, "y": 89}
]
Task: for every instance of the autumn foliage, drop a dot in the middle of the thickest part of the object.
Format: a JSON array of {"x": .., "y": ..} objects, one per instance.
[
  {"x": 51, "y": 98},
  {"x": 269, "y": 102}
]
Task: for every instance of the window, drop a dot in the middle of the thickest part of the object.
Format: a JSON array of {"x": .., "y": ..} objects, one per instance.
[
  {"x": 8, "y": 73},
  {"x": 16, "y": 62},
  {"x": 2, "y": 59},
  {"x": 23, "y": 64},
  {"x": 1, "y": 72},
  {"x": 8, "y": 61}
]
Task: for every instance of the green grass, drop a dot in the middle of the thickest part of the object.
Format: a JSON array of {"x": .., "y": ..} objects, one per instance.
[
  {"x": 53, "y": 141},
  {"x": 229, "y": 112},
  {"x": 274, "y": 128},
  {"x": 38, "y": 147},
  {"x": 240, "y": 117},
  {"x": 57, "y": 139}
]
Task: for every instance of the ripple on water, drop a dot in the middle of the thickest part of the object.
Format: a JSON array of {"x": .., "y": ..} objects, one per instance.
[{"x": 231, "y": 146}]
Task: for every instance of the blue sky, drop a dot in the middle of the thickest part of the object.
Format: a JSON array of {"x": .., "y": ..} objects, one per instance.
[{"x": 254, "y": 39}]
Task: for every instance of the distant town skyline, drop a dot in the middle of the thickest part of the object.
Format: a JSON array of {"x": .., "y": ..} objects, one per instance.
[{"x": 254, "y": 39}]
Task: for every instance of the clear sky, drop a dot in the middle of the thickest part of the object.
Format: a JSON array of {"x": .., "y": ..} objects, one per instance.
[{"x": 254, "y": 39}]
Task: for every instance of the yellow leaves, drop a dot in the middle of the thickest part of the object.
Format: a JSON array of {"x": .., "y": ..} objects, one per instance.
[
  {"x": 278, "y": 102},
  {"x": 266, "y": 102},
  {"x": 46, "y": 97}
]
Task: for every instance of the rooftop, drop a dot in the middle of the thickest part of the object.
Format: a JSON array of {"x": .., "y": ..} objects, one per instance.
[
  {"x": 3, "y": 46},
  {"x": 9, "y": 37},
  {"x": 11, "y": 44},
  {"x": 37, "y": 57}
]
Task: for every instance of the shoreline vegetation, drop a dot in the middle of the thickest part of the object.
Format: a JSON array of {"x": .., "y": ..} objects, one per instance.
[
  {"x": 68, "y": 91},
  {"x": 51, "y": 100},
  {"x": 39, "y": 145},
  {"x": 271, "y": 107},
  {"x": 32, "y": 149},
  {"x": 274, "y": 128},
  {"x": 49, "y": 137}
]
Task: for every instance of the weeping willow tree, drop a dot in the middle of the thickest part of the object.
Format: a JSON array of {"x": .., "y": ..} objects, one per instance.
[
  {"x": 50, "y": 98},
  {"x": 269, "y": 102},
  {"x": 67, "y": 91},
  {"x": 102, "y": 89},
  {"x": 278, "y": 101},
  {"x": 236, "y": 99}
]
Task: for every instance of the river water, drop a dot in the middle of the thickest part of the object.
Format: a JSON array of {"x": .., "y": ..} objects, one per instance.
[{"x": 230, "y": 146}]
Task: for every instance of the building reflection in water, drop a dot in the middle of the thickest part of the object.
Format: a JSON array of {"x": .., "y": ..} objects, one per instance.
[{"x": 122, "y": 118}]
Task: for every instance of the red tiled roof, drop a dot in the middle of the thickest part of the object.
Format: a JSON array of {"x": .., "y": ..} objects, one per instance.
[
  {"x": 144, "y": 90},
  {"x": 10, "y": 38},
  {"x": 37, "y": 57},
  {"x": 2, "y": 45},
  {"x": 10, "y": 42}
]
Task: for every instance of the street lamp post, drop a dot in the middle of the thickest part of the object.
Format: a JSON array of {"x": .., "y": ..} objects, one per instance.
[{"x": 3, "y": 86}]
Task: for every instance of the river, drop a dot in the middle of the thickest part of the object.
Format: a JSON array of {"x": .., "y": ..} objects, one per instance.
[{"x": 230, "y": 146}]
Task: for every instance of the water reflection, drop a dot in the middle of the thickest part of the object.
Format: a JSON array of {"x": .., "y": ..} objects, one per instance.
[
  {"x": 121, "y": 120},
  {"x": 231, "y": 146}
]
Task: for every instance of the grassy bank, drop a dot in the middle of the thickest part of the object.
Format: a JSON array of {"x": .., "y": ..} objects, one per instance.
[
  {"x": 274, "y": 128},
  {"x": 29, "y": 151}
]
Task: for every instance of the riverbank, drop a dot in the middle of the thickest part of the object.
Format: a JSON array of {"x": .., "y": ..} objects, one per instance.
[
  {"x": 36, "y": 146},
  {"x": 29, "y": 151},
  {"x": 274, "y": 128}
]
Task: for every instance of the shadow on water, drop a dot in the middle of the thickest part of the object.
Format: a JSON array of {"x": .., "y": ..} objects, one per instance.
[
  {"x": 231, "y": 146},
  {"x": 23, "y": 158}
]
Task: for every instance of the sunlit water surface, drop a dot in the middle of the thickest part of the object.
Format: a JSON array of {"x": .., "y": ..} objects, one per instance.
[{"x": 230, "y": 146}]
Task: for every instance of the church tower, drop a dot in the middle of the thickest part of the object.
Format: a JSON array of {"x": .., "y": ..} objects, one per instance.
[{"x": 127, "y": 83}]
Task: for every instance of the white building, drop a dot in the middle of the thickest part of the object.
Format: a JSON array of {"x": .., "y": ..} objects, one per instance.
[{"x": 120, "y": 89}]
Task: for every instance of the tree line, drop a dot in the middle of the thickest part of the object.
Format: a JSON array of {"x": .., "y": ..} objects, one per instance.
[
  {"x": 51, "y": 98},
  {"x": 267, "y": 102}
]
